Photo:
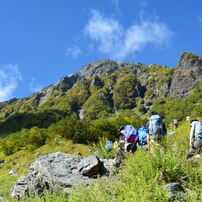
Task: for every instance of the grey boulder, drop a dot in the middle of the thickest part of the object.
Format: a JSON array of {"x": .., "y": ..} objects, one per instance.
[{"x": 60, "y": 172}]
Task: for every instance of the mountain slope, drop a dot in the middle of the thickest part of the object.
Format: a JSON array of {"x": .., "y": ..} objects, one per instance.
[{"x": 100, "y": 88}]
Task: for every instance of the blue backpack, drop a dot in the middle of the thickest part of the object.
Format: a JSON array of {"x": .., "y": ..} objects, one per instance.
[
  {"x": 109, "y": 145},
  {"x": 142, "y": 133},
  {"x": 129, "y": 130},
  {"x": 199, "y": 134},
  {"x": 155, "y": 125}
]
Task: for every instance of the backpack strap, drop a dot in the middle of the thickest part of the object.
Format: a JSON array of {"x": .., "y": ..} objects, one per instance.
[{"x": 199, "y": 134}]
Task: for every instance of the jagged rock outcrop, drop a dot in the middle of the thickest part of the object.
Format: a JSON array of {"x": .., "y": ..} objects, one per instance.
[
  {"x": 64, "y": 84},
  {"x": 96, "y": 81},
  {"x": 3, "y": 104},
  {"x": 187, "y": 75},
  {"x": 60, "y": 171},
  {"x": 105, "y": 67}
]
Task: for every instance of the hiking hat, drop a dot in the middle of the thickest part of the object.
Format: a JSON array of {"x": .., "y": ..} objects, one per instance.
[{"x": 121, "y": 128}]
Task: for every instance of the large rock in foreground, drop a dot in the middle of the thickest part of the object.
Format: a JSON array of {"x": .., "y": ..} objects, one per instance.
[{"x": 60, "y": 171}]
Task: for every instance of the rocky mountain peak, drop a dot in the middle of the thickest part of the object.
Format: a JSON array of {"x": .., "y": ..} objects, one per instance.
[
  {"x": 104, "y": 67},
  {"x": 189, "y": 60},
  {"x": 188, "y": 74}
]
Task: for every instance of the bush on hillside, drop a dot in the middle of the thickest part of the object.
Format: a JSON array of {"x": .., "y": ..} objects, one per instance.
[
  {"x": 16, "y": 141},
  {"x": 70, "y": 128},
  {"x": 73, "y": 129},
  {"x": 98, "y": 105},
  {"x": 78, "y": 95},
  {"x": 125, "y": 92}
]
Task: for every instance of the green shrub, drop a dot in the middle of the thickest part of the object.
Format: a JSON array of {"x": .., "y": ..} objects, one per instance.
[
  {"x": 98, "y": 105},
  {"x": 125, "y": 92},
  {"x": 16, "y": 141},
  {"x": 8, "y": 147},
  {"x": 141, "y": 109},
  {"x": 73, "y": 129},
  {"x": 37, "y": 137}
]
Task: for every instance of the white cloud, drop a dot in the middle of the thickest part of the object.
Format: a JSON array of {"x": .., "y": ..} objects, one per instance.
[
  {"x": 35, "y": 87},
  {"x": 73, "y": 51},
  {"x": 9, "y": 77},
  {"x": 106, "y": 32},
  {"x": 118, "y": 42}
]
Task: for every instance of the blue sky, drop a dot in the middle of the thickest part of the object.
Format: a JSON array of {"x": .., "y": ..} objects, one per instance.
[{"x": 44, "y": 40}]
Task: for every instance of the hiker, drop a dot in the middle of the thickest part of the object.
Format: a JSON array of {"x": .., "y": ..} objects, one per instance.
[
  {"x": 156, "y": 130},
  {"x": 142, "y": 136},
  {"x": 195, "y": 138},
  {"x": 175, "y": 123},
  {"x": 128, "y": 138}
]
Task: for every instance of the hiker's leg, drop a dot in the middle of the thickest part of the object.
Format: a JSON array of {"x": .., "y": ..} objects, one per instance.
[
  {"x": 128, "y": 147},
  {"x": 195, "y": 148},
  {"x": 132, "y": 147},
  {"x": 200, "y": 148}
]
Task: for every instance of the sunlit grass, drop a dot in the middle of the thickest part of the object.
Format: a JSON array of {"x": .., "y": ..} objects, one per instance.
[{"x": 141, "y": 178}]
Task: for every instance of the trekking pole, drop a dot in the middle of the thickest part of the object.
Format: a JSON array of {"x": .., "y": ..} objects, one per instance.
[{"x": 148, "y": 141}]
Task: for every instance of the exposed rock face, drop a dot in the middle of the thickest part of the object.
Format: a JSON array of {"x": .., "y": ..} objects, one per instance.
[
  {"x": 105, "y": 67},
  {"x": 60, "y": 171},
  {"x": 3, "y": 104},
  {"x": 66, "y": 82},
  {"x": 187, "y": 75},
  {"x": 96, "y": 81}
]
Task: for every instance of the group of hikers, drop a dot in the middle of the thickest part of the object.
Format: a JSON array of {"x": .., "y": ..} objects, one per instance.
[{"x": 152, "y": 134}]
